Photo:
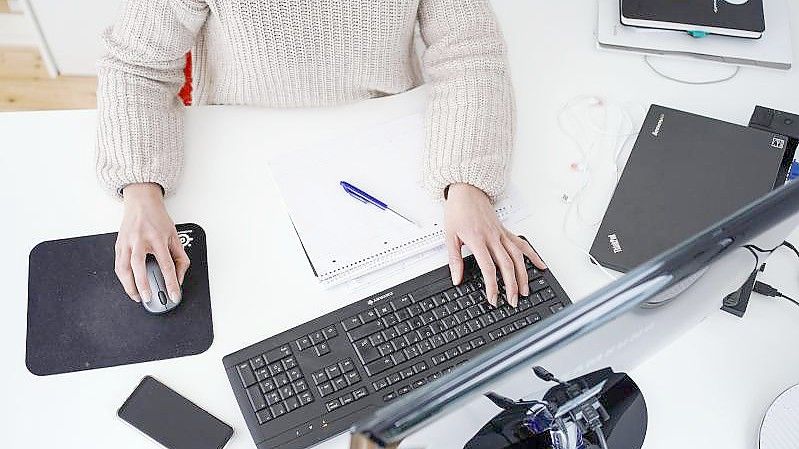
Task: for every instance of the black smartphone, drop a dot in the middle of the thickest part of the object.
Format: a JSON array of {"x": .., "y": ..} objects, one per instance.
[{"x": 172, "y": 420}]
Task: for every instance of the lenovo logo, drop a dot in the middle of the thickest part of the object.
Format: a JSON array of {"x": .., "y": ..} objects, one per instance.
[
  {"x": 615, "y": 246},
  {"x": 656, "y": 131}
]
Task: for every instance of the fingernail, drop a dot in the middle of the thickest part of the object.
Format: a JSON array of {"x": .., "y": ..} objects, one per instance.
[
  {"x": 454, "y": 281},
  {"x": 174, "y": 297},
  {"x": 514, "y": 301},
  {"x": 145, "y": 297},
  {"x": 136, "y": 298},
  {"x": 525, "y": 290}
]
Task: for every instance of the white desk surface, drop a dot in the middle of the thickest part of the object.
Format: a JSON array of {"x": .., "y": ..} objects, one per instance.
[{"x": 709, "y": 387}]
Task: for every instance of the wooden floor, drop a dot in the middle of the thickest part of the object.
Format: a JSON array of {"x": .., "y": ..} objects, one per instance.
[{"x": 26, "y": 86}]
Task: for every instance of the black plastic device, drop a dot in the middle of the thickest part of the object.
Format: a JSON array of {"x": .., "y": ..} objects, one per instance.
[
  {"x": 783, "y": 123},
  {"x": 316, "y": 380},
  {"x": 172, "y": 420}
]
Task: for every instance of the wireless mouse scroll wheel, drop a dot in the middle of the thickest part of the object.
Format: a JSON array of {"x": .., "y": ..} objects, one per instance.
[{"x": 162, "y": 298}]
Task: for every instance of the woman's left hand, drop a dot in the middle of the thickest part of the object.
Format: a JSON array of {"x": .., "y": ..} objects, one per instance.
[{"x": 471, "y": 220}]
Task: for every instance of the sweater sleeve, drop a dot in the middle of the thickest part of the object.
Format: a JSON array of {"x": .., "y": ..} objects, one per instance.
[
  {"x": 140, "y": 117},
  {"x": 471, "y": 114}
]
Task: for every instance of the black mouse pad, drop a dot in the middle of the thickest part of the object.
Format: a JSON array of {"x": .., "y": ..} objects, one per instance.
[{"x": 80, "y": 318}]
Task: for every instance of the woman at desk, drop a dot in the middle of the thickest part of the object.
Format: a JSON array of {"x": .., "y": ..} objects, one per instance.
[{"x": 282, "y": 53}]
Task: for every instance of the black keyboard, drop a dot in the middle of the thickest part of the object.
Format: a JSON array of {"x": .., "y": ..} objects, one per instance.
[{"x": 316, "y": 380}]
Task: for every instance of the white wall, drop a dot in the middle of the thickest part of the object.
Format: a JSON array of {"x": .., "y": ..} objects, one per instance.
[{"x": 71, "y": 31}]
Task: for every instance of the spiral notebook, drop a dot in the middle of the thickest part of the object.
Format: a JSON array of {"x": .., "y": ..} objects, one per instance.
[{"x": 346, "y": 239}]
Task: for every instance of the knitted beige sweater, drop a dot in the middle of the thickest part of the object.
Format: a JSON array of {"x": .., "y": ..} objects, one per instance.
[{"x": 291, "y": 53}]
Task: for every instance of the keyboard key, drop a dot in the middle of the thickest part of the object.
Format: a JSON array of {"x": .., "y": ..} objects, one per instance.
[
  {"x": 520, "y": 324},
  {"x": 412, "y": 338},
  {"x": 533, "y": 318},
  {"x": 262, "y": 374},
  {"x": 419, "y": 383},
  {"x": 389, "y": 397},
  {"x": 330, "y": 331},
  {"x": 399, "y": 343},
  {"x": 289, "y": 362},
  {"x": 402, "y": 314},
  {"x": 399, "y": 303},
  {"x": 256, "y": 398},
  {"x": 403, "y": 328},
  {"x": 294, "y": 374},
  {"x": 393, "y": 378},
  {"x": 403, "y": 390},
  {"x": 365, "y": 330},
  {"x": 406, "y": 372},
  {"x": 437, "y": 340},
  {"x": 477, "y": 342},
  {"x": 322, "y": 349},
  {"x": 352, "y": 377},
  {"x": 346, "y": 399},
  {"x": 365, "y": 351},
  {"x": 351, "y": 323},
  {"x": 424, "y": 346},
  {"x": 280, "y": 380},
  {"x": 299, "y": 386},
  {"x": 547, "y": 294},
  {"x": 332, "y": 405},
  {"x": 277, "y": 354},
  {"x": 368, "y": 316},
  {"x": 449, "y": 335},
  {"x": 385, "y": 349},
  {"x": 536, "y": 299},
  {"x": 319, "y": 377},
  {"x": 379, "y": 384},
  {"x": 379, "y": 365},
  {"x": 359, "y": 393},
  {"x": 390, "y": 320},
  {"x": 272, "y": 398},
  {"x": 257, "y": 362},
  {"x": 390, "y": 333},
  {"x": 267, "y": 385},
  {"x": 317, "y": 337},
  {"x": 278, "y": 410},
  {"x": 497, "y": 333},
  {"x": 291, "y": 403},
  {"x": 538, "y": 284},
  {"x": 439, "y": 358},
  {"x": 464, "y": 347},
  {"x": 555, "y": 308},
  {"x": 414, "y": 309},
  {"x": 384, "y": 309},
  {"x": 263, "y": 416},
  {"x": 245, "y": 374},
  {"x": 452, "y": 352},
  {"x": 306, "y": 397},
  {"x": 419, "y": 367},
  {"x": 276, "y": 368},
  {"x": 487, "y": 320},
  {"x": 411, "y": 352},
  {"x": 427, "y": 304},
  {"x": 398, "y": 357},
  {"x": 325, "y": 389},
  {"x": 286, "y": 391},
  {"x": 508, "y": 329},
  {"x": 346, "y": 365},
  {"x": 339, "y": 383},
  {"x": 333, "y": 371},
  {"x": 376, "y": 339},
  {"x": 303, "y": 343}
]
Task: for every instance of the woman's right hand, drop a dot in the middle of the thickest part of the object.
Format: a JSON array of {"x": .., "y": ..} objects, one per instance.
[{"x": 147, "y": 229}]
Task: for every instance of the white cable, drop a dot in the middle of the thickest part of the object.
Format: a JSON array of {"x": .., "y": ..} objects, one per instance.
[
  {"x": 695, "y": 83},
  {"x": 626, "y": 129}
]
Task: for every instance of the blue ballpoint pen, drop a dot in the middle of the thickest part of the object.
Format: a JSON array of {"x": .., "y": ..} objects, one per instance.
[{"x": 364, "y": 197}]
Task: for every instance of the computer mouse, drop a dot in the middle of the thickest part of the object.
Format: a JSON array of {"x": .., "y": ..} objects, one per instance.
[{"x": 159, "y": 302}]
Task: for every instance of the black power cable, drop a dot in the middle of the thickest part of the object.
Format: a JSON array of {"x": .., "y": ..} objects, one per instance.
[{"x": 766, "y": 289}]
